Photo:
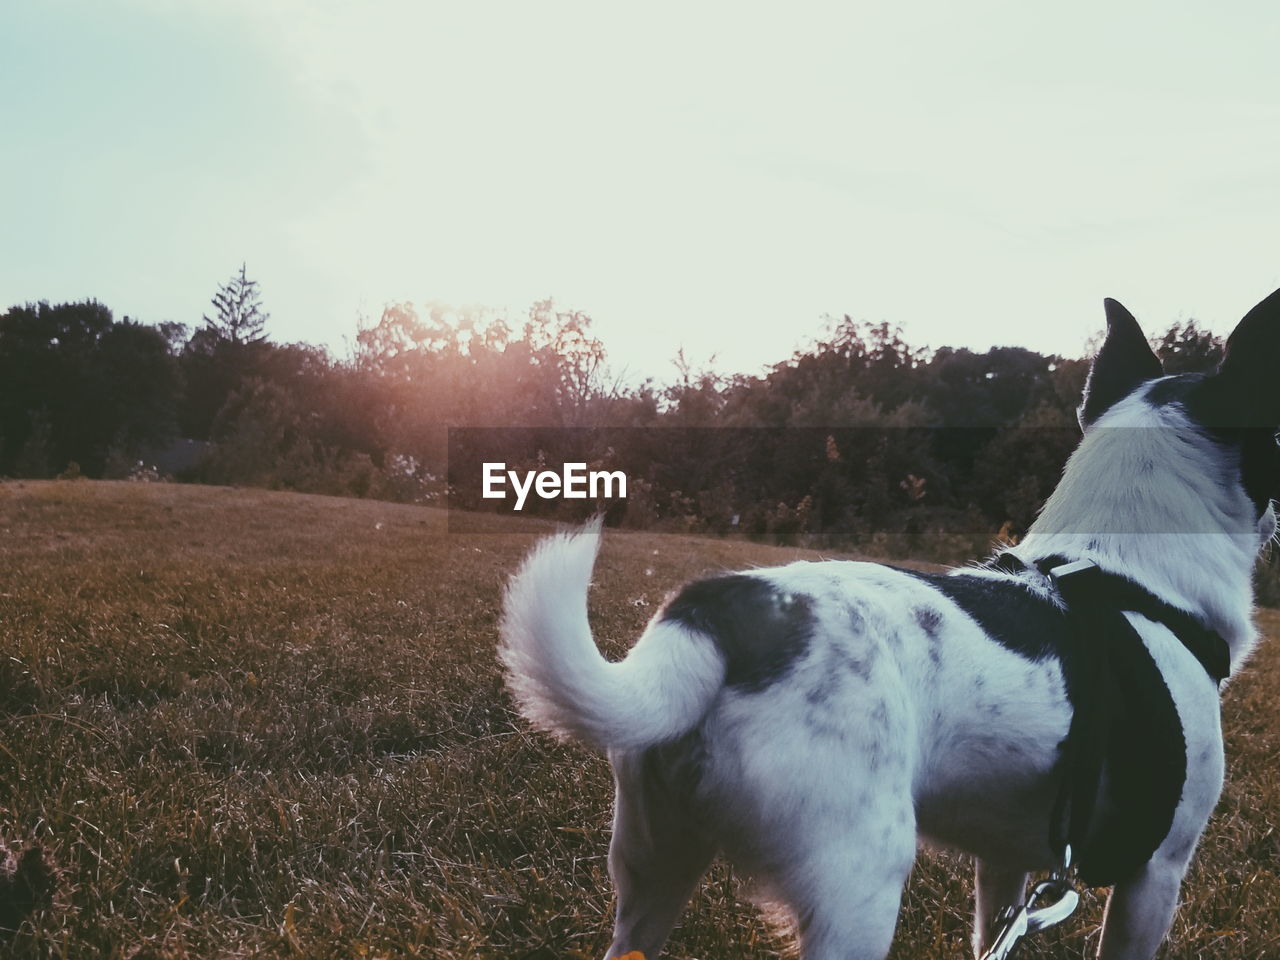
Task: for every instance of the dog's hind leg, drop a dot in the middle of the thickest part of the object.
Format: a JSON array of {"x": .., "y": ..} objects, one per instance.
[
  {"x": 656, "y": 857},
  {"x": 847, "y": 892},
  {"x": 994, "y": 888},
  {"x": 1140, "y": 911}
]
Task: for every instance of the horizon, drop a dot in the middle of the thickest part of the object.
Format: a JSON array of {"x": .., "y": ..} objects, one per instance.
[{"x": 977, "y": 178}]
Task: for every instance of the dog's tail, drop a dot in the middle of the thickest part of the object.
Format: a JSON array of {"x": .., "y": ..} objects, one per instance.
[{"x": 562, "y": 683}]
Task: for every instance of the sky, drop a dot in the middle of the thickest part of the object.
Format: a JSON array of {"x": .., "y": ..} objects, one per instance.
[{"x": 710, "y": 177}]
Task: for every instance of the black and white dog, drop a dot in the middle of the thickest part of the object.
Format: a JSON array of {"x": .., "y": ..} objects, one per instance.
[{"x": 810, "y": 721}]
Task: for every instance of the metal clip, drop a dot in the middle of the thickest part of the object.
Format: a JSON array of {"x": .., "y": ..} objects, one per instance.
[
  {"x": 1050, "y": 902},
  {"x": 1060, "y": 901},
  {"x": 1011, "y": 925}
]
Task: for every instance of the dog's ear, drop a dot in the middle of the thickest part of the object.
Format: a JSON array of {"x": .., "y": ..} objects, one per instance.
[
  {"x": 1249, "y": 392},
  {"x": 1125, "y": 361}
]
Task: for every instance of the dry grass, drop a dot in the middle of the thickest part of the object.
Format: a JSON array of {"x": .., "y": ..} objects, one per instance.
[{"x": 259, "y": 724}]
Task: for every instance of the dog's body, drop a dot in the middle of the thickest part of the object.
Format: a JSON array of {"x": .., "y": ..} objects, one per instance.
[{"x": 810, "y": 721}]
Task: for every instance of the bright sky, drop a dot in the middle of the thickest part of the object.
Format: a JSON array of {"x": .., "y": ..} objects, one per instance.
[{"x": 712, "y": 176}]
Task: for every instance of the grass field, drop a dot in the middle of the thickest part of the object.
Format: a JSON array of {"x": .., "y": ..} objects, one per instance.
[{"x": 271, "y": 725}]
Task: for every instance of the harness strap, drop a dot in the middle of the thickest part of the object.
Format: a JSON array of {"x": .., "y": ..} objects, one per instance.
[
  {"x": 1121, "y": 593},
  {"x": 1116, "y": 689},
  {"x": 1088, "y": 737},
  {"x": 1207, "y": 646}
]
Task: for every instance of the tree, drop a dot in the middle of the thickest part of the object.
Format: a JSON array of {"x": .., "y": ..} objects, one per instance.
[
  {"x": 223, "y": 354},
  {"x": 1186, "y": 347},
  {"x": 74, "y": 383},
  {"x": 238, "y": 314},
  {"x": 565, "y": 337}
]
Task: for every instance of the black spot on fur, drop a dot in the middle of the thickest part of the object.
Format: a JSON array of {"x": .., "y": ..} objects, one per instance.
[
  {"x": 857, "y": 622},
  {"x": 822, "y": 719},
  {"x": 822, "y": 692},
  {"x": 760, "y": 630},
  {"x": 860, "y": 666},
  {"x": 928, "y": 620},
  {"x": 874, "y": 752}
]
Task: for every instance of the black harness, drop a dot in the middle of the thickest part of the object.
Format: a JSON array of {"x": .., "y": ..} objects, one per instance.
[{"x": 1124, "y": 759}]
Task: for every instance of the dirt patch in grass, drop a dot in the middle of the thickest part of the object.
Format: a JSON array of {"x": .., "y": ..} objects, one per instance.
[{"x": 262, "y": 724}]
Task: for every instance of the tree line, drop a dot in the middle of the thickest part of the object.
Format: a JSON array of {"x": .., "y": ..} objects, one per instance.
[{"x": 859, "y": 433}]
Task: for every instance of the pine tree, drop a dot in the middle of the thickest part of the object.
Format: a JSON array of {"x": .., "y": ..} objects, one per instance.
[{"x": 238, "y": 314}]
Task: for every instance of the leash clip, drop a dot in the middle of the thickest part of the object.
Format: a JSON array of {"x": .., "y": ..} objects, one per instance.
[
  {"x": 1011, "y": 925},
  {"x": 1049, "y": 903},
  {"x": 1060, "y": 899}
]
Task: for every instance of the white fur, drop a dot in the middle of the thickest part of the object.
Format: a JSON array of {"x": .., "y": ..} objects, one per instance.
[{"x": 818, "y": 784}]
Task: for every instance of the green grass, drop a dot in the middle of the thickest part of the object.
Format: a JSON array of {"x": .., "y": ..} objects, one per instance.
[{"x": 271, "y": 725}]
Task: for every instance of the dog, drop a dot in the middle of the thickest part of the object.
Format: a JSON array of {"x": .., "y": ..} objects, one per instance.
[{"x": 811, "y": 722}]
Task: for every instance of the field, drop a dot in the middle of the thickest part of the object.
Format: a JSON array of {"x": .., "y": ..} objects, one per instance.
[{"x": 251, "y": 724}]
